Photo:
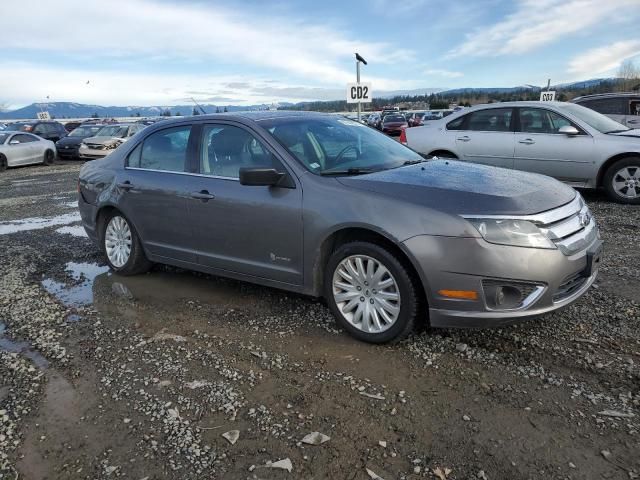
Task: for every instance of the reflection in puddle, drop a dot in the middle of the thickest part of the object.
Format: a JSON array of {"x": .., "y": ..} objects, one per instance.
[
  {"x": 73, "y": 230},
  {"x": 37, "y": 223},
  {"x": 80, "y": 294},
  {"x": 22, "y": 348},
  {"x": 172, "y": 287}
]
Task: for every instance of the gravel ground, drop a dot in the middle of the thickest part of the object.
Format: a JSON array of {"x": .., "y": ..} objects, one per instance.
[{"x": 180, "y": 375}]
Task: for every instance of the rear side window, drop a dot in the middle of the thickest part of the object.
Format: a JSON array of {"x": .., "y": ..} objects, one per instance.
[
  {"x": 24, "y": 138},
  {"x": 165, "y": 150},
  {"x": 491, "y": 120},
  {"x": 606, "y": 106},
  {"x": 456, "y": 124}
]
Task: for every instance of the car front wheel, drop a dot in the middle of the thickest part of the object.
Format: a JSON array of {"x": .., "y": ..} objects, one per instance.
[
  {"x": 49, "y": 157},
  {"x": 122, "y": 246},
  {"x": 371, "y": 293},
  {"x": 622, "y": 180}
]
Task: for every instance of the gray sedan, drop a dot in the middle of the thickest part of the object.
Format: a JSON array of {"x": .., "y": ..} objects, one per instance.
[
  {"x": 328, "y": 207},
  {"x": 574, "y": 144},
  {"x": 20, "y": 148}
]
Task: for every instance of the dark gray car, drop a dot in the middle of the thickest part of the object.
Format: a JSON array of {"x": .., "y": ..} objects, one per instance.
[{"x": 325, "y": 206}]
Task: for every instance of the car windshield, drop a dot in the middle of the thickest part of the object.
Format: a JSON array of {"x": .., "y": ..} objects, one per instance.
[
  {"x": 112, "y": 131},
  {"x": 600, "y": 122},
  {"x": 394, "y": 118},
  {"x": 85, "y": 131},
  {"x": 3, "y": 138},
  {"x": 327, "y": 145}
]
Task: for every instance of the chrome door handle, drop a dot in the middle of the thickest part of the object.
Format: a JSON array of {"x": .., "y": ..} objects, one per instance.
[
  {"x": 632, "y": 121},
  {"x": 125, "y": 185},
  {"x": 203, "y": 195},
  {"x": 463, "y": 139},
  {"x": 527, "y": 141}
]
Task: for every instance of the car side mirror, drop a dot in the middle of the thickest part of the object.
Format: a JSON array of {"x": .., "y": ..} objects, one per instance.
[
  {"x": 265, "y": 177},
  {"x": 14, "y": 142},
  {"x": 569, "y": 130}
]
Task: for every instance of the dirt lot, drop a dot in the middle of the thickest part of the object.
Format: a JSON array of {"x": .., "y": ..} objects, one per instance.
[{"x": 110, "y": 377}]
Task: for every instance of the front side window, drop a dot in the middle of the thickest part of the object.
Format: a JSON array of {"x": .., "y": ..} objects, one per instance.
[
  {"x": 165, "y": 150},
  {"x": 539, "y": 120},
  {"x": 456, "y": 124},
  {"x": 491, "y": 120},
  {"x": 226, "y": 149},
  {"x": 606, "y": 106},
  {"x": 22, "y": 138}
]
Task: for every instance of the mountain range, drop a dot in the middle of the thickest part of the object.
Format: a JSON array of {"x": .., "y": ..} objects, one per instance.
[{"x": 78, "y": 110}]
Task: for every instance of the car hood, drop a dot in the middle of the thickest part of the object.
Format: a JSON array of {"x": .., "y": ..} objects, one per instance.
[
  {"x": 71, "y": 141},
  {"x": 635, "y": 133},
  {"x": 103, "y": 140},
  {"x": 465, "y": 188}
]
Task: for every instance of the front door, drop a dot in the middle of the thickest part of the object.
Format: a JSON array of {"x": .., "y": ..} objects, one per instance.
[
  {"x": 540, "y": 148},
  {"x": 23, "y": 149},
  {"x": 251, "y": 230},
  {"x": 487, "y": 137},
  {"x": 154, "y": 193}
]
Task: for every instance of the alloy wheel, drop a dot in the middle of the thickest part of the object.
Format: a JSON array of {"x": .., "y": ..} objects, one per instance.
[
  {"x": 626, "y": 181},
  {"x": 117, "y": 241},
  {"x": 366, "y": 293}
]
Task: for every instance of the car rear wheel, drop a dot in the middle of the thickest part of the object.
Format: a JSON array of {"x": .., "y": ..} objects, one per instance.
[
  {"x": 122, "y": 246},
  {"x": 370, "y": 293},
  {"x": 622, "y": 180},
  {"x": 49, "y": 157},
  {"x": 3, "y": 163}
]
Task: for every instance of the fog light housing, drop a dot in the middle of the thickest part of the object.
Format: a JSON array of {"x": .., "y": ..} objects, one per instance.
[{"x": 506, "y": 295}]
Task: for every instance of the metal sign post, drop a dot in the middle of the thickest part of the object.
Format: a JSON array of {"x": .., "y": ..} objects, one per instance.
[{"x": 358, "y": 60}]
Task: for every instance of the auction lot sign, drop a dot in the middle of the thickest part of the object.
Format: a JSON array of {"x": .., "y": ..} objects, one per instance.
[
  {"x": 359, "y": 93},
  {"x": 549, "y": 96}
]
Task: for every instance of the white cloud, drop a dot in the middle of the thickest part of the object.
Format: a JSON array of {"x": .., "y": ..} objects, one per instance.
[
  {"x": 200, "y": 32},
  {"x": 536, "y": 23},
  {"x": 22, "y": 83},
  {"x": 604, "y": 59},
  {"x": 436, "y": 72}
]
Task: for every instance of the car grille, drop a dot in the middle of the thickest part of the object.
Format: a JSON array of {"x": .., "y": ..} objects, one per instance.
[
  {"x": 569, "y": 287},
  {"x": 95, "y": 146},
  {"x": 571, "y": 227}
]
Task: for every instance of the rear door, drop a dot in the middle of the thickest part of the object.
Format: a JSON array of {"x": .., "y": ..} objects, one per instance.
[
  {"x": 251, "y": 230},
  {"x": 540, "y": 148},
  {"x": 154, "y": 192},
  {"x": 486, "y": 136}
]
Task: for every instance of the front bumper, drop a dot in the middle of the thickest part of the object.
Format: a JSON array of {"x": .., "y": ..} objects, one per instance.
[
  {"x": 67, "y": 151},
  {"x": 447, "y": 263},
  {"x": 92, "y": 154}
]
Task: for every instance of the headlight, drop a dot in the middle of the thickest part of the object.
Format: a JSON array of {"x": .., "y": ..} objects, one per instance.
[
  {"x": 83, "y": 145},
  {"x": 111, "y": 146},
  {"x": 518, "y": 233}
]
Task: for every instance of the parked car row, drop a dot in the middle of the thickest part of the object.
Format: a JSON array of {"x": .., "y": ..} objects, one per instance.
[{"x": 563, "y": 140}]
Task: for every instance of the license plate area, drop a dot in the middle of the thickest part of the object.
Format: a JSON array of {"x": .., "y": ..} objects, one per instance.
[{"x": 594, "y": 257}]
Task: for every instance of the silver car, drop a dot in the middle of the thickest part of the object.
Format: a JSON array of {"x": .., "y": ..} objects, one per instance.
[
  {"x": 567, "y": 141},
  {"x": 325, "y": 206},
  {"x": 107, "y": 139},
  {"x": 624, "y": 108},
  {"x": 21, "y": 148}
]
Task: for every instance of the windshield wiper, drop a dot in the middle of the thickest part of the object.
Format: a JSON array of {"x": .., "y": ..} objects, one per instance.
[
  {"x": 349, "y": 171},
  {"x": 413, "y": 162}
]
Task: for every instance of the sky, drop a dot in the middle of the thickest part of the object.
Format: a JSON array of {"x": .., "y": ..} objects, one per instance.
[{"x": 243, "y": 52}]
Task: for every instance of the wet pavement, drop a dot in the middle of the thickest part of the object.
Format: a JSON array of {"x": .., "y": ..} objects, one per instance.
[{"x": 103, "y": 376}]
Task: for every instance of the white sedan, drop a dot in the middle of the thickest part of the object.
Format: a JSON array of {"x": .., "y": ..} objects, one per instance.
[
  {"x": 563, "y": 140},
  {"x": 20, "y": 148}
]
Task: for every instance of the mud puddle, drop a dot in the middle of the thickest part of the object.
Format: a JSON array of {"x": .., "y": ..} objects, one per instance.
[
  {"x": 22, "y": 348},
  {"x": 81, "y": 293}
]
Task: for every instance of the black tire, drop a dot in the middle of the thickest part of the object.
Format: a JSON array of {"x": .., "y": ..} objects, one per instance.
[
  {"x": 634, "y": 164},
  {"x": 3, "y": 163},
  {"x": 407, "y": 287},
  {"x": 49, "y": 157},
  {"x": 137, "y": 262}
]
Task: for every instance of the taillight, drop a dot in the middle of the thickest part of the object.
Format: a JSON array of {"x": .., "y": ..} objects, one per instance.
[{"x": 403, "y": 135}]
